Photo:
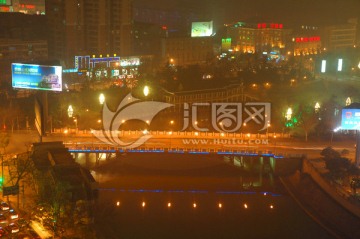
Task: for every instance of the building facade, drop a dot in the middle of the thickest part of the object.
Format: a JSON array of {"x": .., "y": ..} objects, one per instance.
[
  {"x": 187, "y": 50},
  {"x": 87, "y": 27},
  {"x": 340, "y": 36},
  {"x": 260, "y": 37}
]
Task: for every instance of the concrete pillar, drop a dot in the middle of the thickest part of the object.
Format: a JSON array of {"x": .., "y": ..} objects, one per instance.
[
  {"x": 357, "y": 152},
  {"x": 87, "y": 160}
]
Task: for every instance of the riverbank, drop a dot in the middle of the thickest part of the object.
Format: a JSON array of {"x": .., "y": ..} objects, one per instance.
[{"x": 322, "y": 205}]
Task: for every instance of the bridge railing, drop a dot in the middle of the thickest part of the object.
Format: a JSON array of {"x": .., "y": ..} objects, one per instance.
[{"x": 173, "y": 134}]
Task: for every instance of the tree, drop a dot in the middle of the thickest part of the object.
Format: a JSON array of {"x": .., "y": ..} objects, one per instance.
[
  {"x": 4, "y": 141},
  {"x": 307, "y": 119}
]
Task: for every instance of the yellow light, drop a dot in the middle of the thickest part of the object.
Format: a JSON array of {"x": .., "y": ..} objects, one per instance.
[
  {"x": 196, "y": 133},
  {"x": 222, "y": 134},
  {"x": 118, "y": 203},
  {"x": 169, "y": 204},
  {"x": 245, "y": 205},
  {"x": 143, "y": 204},
  {"x": 146, "y": 91},
  {"x": 194, "y": 205},
  {"x": 271, "y": 207},
  {"x": 101, "y": 98},
  {"x": 220, "y": 205}
]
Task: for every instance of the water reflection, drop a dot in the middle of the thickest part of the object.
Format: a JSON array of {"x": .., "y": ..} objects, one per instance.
[{"x": 204, "y": 199}]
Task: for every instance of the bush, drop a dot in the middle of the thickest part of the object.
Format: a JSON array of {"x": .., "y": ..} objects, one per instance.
[{"x": 330, "y": 153}]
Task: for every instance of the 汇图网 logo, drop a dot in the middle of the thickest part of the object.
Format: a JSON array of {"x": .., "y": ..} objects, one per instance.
[
  {"x": 128, "y": 109},
  {"x": 225, "y": 117}
]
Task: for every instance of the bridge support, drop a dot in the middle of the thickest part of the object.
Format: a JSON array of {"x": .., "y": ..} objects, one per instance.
[{"x": 87, "y": 160}]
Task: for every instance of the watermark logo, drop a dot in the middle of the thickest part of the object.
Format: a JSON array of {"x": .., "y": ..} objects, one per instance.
[
  {"x": 224, "y": 117},
  {"x": 129, "y": 108},
  {"x": 228, "y": 117}
]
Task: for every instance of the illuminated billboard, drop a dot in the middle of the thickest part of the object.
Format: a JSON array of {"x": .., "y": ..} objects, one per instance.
[
  {"x": 5, "y": 2},
  {"x": 201, "y": 29},
  {"x": 28, "y": 76},
  {"x": 350, "y": 119}
]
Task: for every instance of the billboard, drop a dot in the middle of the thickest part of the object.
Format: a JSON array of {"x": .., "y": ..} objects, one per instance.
[
  {"x": 201, "y": 29},
  {"x": 5, "y": 2},
  {"x": 350, "y": 119},
  {"x": 37, "y": 77}
]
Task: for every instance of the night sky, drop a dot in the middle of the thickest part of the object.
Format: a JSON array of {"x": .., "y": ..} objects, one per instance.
[{"x": 289, "y": 11}]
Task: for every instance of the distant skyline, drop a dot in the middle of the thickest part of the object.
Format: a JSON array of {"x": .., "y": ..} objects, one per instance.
[{"x": 290, "y": 11}]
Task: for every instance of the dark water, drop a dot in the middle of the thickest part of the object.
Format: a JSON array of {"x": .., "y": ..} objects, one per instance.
[{"x": 136, "y": 192}]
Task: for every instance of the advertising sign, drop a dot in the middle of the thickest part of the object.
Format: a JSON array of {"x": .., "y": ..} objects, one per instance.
[
  {"x": 201, "y": 29},
  {"x": 37, "y": 77},
  {"x": 350, "y": 119},
  {"x": 5, "y": 2}
]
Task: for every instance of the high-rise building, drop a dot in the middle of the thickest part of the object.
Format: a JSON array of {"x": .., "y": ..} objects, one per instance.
[
  {"x": 89, "y": 27},
  {"x": 340, "y": 36}
]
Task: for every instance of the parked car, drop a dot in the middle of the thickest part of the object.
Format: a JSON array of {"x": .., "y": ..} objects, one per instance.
[
  {"x": 4, "y": 206},
  {"x": 2, "y": 232},
  {"x": 3, "y": 219},
  {"x": 13, "y": 215},
  {"x": 12, "y": 228}
]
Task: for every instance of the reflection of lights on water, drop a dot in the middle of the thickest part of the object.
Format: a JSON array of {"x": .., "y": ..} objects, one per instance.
[{"x": 194, "y": 205}]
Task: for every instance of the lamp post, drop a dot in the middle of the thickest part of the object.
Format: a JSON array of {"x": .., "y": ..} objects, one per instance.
[
  {"x": 267, "y": 129},
  {"x": 70, "y": 111},
  {"x": 76, "y": 123},
  {"x": 101, "y": 98},
  {"x": 317, "y": 110}
]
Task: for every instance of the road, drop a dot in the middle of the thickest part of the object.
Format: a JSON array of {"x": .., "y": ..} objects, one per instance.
[{"x": 21, "y": 142}]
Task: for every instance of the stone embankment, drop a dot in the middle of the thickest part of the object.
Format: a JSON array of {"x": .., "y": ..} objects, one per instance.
[{"x": 327, "y": 203}]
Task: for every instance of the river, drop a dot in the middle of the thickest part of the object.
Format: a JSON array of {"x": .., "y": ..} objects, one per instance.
[{"x": 188, "y": 196}]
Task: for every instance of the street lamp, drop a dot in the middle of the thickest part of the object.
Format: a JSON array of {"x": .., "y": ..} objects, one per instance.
[
  {"x": 101, "y": 98},
  {"x": 146, "y": 90},
  {"x": 348, "y": 101},
  {"x": 70, "y": 111},
  {"x": 317, "y": 107},
  {"x": 288, "y": 114}
]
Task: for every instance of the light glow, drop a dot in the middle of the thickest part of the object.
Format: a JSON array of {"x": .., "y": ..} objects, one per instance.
[
  {"x": 340, "y": 65},
  {"x": 323, "y": 66}
]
